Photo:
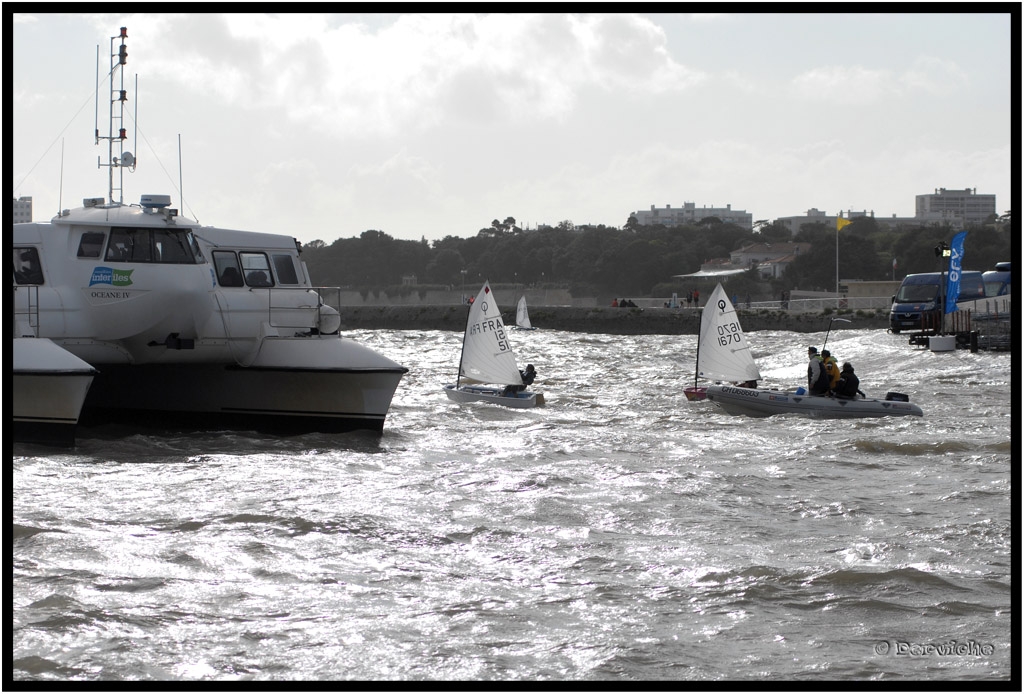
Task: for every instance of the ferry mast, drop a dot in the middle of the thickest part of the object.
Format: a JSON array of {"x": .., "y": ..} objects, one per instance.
[{"x": 117, "y": 157}]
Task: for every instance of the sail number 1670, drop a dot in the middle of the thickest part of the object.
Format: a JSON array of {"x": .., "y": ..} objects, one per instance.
[{"x": 729, "y": 333}]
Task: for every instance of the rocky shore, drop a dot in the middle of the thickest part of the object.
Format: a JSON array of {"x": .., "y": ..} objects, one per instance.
[{"x": 607, "y": 320}]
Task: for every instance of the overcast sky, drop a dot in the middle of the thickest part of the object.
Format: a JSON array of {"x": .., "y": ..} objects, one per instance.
[{"x": 425, "y": 126}]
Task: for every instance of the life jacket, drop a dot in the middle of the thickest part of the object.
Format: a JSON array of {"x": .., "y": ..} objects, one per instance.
[{"x": 832, "y": 368}]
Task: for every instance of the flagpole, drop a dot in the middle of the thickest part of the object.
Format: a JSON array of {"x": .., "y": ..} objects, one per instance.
[{"x": 838, "y": 226}]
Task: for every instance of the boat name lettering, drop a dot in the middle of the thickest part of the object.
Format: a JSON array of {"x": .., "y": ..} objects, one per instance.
[
  {"x": 741, "y": 391},
  {"x": 108, "y": 275},
  {"x": 110, "y": 295}
]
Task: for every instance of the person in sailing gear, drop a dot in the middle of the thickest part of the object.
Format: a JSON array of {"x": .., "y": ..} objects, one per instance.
[
  {"x": 528, "y": 375},
  {"x": 831, "y": 365},
  {"x": 817, "y": 377},
  {"x": 849, "y": 384}
]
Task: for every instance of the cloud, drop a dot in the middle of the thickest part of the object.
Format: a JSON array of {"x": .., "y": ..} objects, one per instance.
[
  {"x": 844, "y": 84},
  {"x": 855, "y": 84},
  {"x": 934, "y": 75},
  {"x": 414, "y": 72}
]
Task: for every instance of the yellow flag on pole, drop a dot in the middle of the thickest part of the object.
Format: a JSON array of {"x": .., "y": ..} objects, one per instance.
[{"x": 840, "y": 223}]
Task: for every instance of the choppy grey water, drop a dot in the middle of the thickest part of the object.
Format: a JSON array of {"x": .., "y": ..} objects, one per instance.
[{"x": 620, "y": 533}]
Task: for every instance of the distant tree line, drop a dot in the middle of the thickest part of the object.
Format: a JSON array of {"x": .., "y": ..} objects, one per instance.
[{"x": 641, "y": 261}]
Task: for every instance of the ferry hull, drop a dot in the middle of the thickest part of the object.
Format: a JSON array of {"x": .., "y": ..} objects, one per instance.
[
  {"x": 266, "y": 399},
  {"x": 49, "y": 387},
  {"x": 47, "y": 406}
]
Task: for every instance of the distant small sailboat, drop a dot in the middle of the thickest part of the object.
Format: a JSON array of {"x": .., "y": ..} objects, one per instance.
[
  {"x": 722, "y": 350},
  {"x": 523, "y": 316}
]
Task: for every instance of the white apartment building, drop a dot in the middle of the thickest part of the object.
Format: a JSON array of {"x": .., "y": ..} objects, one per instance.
[
  {"x": 959, "y": 207},
  {"x": 22, "y": 209},
  {"x": 689, "y": 214},
  {"x": 955, "y": 207}
]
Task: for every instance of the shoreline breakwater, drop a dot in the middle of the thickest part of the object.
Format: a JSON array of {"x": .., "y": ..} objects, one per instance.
[{"x": 607, "y": 320}]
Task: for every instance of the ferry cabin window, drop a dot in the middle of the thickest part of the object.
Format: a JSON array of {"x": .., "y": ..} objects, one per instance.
[
  {"x": 285, "y": 268},
  {"x": 27, "y": 269},
  {"x": 256, "y": 269},
  {"x": 226, "y": 265},
  {"x": 91, "y": 244},
  {"x": 163, "y": 246},
  {"x": 130, "y": 246},
  {"x": 171, "y": 247}
]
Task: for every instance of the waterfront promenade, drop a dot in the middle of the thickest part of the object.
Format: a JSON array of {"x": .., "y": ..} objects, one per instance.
[{"x": 607, "y": 320}]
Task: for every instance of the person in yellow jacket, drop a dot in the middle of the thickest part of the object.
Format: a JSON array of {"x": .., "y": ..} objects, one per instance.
[{"x": 831, "y": 368}]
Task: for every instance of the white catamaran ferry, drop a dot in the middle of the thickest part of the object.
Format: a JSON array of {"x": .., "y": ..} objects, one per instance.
[{"x": 132, "y": 312}]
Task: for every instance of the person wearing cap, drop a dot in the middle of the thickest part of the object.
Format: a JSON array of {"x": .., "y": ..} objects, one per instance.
[
  {"x": 849, "y": 385},
  {"x": 817, "y": 377}
]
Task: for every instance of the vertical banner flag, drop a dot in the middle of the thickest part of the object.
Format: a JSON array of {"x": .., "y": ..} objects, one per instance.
[{"x": 956, "y": 256}]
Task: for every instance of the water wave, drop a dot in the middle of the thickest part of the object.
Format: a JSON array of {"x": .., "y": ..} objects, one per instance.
[{"x": 620, "y": 533}]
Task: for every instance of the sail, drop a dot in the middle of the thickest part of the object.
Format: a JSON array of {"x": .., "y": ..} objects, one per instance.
[
  {"x": 486, "y": 352},
  {"x": 722, "y": 352},
  {"x": 522, "y": 315}
]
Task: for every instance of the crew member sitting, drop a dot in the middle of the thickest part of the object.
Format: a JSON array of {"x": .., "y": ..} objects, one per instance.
[
  {"x": 849, "y": 385},
  {"x": 527, "y": 377}
]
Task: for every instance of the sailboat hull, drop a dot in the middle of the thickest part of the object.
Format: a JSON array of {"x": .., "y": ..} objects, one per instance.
[
  {"x": 473, "y": 393},
  {"x": 694, "y": 393}
]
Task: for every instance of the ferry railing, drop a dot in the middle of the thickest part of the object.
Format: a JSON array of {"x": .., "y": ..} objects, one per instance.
[
  {"x": 310, "y": 310},
  {"x": 26, "y": 310}
]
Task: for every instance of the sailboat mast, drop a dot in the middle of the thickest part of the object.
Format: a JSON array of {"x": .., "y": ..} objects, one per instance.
[
  {"x": 696, "y": 365},
  {"x": 462, "y": 354}
]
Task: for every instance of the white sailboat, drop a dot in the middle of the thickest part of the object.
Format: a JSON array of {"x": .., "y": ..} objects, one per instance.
[
  {"x": 523, "y": 316},
  {"x": 722, "y": 350},
  {"x": 487, "y": 358}
]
